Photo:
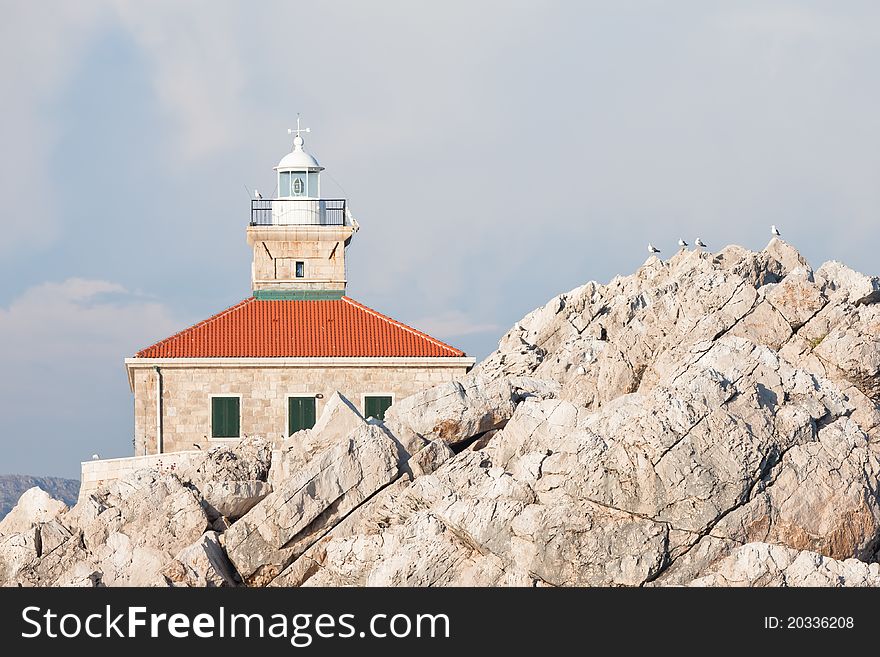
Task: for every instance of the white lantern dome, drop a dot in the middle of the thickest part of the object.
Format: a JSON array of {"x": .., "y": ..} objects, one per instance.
[
  {"x": 299, "y": 174},
  {"x": 298, "y": 159}
]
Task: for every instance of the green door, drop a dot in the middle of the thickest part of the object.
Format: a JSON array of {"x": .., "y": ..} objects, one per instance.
[
  {"x": 300, "y": 413},
  {"x": 376, "y": 405}
]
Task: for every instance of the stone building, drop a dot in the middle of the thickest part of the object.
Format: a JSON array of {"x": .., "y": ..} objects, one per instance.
[{"x": 266, "y": 365}]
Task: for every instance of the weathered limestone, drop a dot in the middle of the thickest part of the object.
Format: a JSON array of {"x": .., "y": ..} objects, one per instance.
[
  {"x": 34, "y": 506},
  {"x": 284, "y": 524},
  {"x": 797, "y": 297},
  {"x": 232, "y": 479},
  {"x": 855, "y": 288},
  {"x": 429, "y": 458},
  {"x": 761, "y": 564},
  {"x": 122, "y": 535},
  {"x": 245, "y": 460},
  {"x": 232, "y": 499},
  {"x": 338, "y": 420},
  {"x": 203, "y": 563},
  {"x": 457, "y": 411},
  {"x": 717, "y": 441},
  {"x": 16, "y": 552}
]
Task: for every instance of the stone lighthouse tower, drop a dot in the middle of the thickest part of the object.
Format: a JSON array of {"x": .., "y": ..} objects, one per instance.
[
  {"x": 270, "y": 364},
  {"x": 299, "y": 238}
]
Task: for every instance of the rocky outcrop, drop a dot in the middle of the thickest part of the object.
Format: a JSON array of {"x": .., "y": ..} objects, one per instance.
[
  {"x": 230, "y": 481},
  {"x": 711, "y": 420},
  {"x": 311, "y": 501},
  {"x": 460, "y": 410},
  {"x": 761, "y": 564},
  {"x": 12, "y": 487},
  {"x": 203, "y": 563},
  {"x": 35, "y": 506},
  {"x": 338, "y": 419}
]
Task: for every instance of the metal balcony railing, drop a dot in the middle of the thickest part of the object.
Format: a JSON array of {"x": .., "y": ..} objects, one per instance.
[{"x": 298, "y": 212}]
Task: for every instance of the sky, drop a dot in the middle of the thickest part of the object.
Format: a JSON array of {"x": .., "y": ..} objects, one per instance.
[{"x": 494, "y": 153}]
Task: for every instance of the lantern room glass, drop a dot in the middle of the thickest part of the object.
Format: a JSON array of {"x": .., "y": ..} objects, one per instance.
[{"x": 299, "y": 183}]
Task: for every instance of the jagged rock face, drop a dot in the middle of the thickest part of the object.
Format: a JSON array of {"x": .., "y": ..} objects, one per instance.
[
  {"x": 338, "y": 419},
  {"x": 709, "y": 420},
  {"x": 761, "y": 564},
  {"x": 203, "y": 563},
  {"x": 34, "y": 506},
  {"x": 283, "y": 525},
  {"x": 601, "y": 342},
  {"x": 230, "y": 481},
  {"x": 459, "y": 410},
  {"x": 121, "y": 535},
  {"x": 698, "y": 411}
]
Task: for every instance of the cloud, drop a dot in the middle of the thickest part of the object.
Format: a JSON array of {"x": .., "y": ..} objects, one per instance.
[
  {"x": 197, "y": 67},
  {"x": 78, "y": 321},
  {"x": 64, "y": 391},
  {"x": 40, "y": 46}
]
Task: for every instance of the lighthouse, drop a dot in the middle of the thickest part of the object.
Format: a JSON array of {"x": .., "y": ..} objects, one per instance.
[
  {"x": 268, "y": 365},
  {"x": 298, "y": 237}
]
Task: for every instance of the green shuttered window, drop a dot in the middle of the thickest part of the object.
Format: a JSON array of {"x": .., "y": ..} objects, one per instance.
[
  {"x": 300, "y": 413},
  {"x": 376, "y": 405},
  {"x": 225, "y": 417}
]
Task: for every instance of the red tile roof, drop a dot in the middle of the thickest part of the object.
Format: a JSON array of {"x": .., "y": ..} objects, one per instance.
[{"x": 257, "y": 328}]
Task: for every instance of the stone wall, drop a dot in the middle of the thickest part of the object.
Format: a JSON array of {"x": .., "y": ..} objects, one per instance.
[
  {"x": 278, "y": 248},
  {"x": 187, "y": 392},
  {"x": 105, "y": 471}
]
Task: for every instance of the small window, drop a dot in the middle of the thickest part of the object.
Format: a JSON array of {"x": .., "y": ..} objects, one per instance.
[
  {"x": 300, "y": 269},
  {"x": 300, "y": 414},
  {"x": 225, "y": 417},
  {"x": 376, "y": 405}
]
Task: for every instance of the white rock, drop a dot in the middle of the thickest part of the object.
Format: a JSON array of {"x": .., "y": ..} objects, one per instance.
[
  {"x": 338, "y": 419},
  {"x": 232, "y": 499},
  {"x": 284, "y": 524},
  {"x": 203, "y": 563},
  {"x": 761, "y": 564},
  {"x": 34, "y": 506}
]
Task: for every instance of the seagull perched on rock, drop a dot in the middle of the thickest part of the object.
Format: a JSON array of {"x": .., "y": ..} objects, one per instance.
[
  {"x": 257, "y": 195},
  {"x": 682, "y": 243},
  {"x": 699, "y": 242},
  {"x": 775, "y": 230},
  {"x": 652, "y": 249}
]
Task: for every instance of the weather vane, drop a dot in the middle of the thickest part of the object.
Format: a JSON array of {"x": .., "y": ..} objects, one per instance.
[{"x": 298, "y": 130}]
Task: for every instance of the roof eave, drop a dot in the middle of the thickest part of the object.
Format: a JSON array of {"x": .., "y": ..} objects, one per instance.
[{"x": 301, "y": 361}]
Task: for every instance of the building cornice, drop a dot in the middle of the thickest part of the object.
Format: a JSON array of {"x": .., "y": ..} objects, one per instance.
[{"x": 132, "y": 364}]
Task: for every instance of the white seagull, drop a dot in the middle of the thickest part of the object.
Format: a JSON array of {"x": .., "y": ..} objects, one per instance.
[
  {"x": 95, "y": 457},
  {"x": 699, "y": 242},
  {"x": 257, "y": 194},
  {"x": 682, "y": 243},
  {"x": 775, "y": 230},
  {"x": 652, "y": 249}
]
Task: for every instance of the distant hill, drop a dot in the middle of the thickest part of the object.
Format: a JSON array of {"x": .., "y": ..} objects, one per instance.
[{"x": 12, "y": 486}]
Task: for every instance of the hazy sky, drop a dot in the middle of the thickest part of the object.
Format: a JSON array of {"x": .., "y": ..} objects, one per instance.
[{"x": 494, "y": 153}]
